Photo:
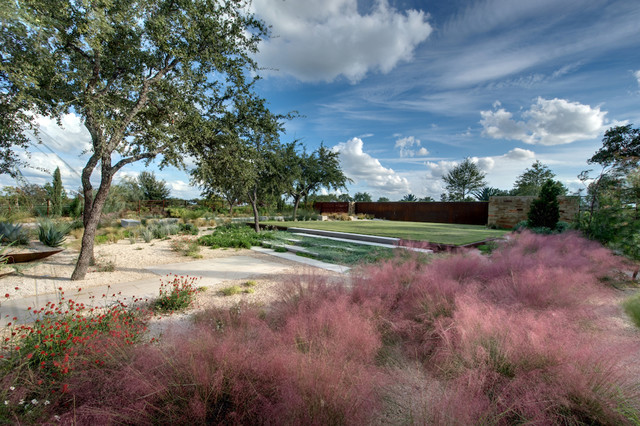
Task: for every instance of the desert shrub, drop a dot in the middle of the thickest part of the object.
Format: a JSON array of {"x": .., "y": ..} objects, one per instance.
[
  {"x": 146, "y": 234},
  {"x": 52, "y": 234},
  {"x": 233, "y": 235},
  {"x": 632, "y": 308},
  {"x": 188, "y": 228},
  {"x": 186, "y": 246},
  {"x": 339, "y": 216},
  {"x": 111, "y": 235},
  {"x": 176, "y": 294},
  {"x": 163, "y": 229},
  {"x": 13, "y": 234},
  {"x": 231, "y": 290}
]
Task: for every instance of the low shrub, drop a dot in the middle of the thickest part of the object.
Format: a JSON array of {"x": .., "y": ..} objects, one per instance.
[
  {"x": 164, "y": 229},
  {"x": 103, "y": 265},
  {"x": 339, "y": 216},
  {"x": 188, "y": 228},
  {"x": 177, "y": 294},
  {"x": 236, "y": 236},
  {"x": 146, "y": 234},
  {"x": 186, "y": 246},
  {"x": 231, "y": 290}
]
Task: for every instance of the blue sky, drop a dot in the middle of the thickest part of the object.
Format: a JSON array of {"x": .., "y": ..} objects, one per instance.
[{"x": 404, "y": 90}]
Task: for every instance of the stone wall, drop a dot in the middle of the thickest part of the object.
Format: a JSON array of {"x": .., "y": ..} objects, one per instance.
[{"x": 506, "y": 212}]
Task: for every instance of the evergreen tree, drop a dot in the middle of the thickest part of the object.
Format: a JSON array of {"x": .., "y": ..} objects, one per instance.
[
  {"x": 462, "y": 180},
  {"x": 57, "y": 195},
  {"x": 545, "y": 210},
  {"x": 152, "y": 188}
]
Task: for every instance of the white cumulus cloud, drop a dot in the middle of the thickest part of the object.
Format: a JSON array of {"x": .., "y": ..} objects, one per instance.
[
  {"x": 320, "y": 41},
  {"x": 69, "y": 137},
  {"x": 520, "y": 154},
  {"x": 360, "y": 166},
  {"x": 439, "y": 168},
  {"x": 546, "y": 122},
  {"x": 637, "y": 76},
  {"x": 410, "y": 147}
]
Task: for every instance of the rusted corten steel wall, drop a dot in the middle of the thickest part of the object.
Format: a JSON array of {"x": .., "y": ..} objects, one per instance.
[
  {"x": 331, "y": 207},
  {"x": 469, "y": 213}
]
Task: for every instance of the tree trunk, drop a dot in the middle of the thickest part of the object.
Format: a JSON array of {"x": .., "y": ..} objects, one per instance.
[
  {"x": 253, "y": 199},
  {"x": 91, "y": 219},
  {"x": 295, "y": 208}
]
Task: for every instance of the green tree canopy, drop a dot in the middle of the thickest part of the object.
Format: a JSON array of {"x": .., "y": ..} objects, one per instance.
[
  {"x": 620, "y": 148},
  {"x": 383, "y": 200},
  {"x": 362, "y": 197},
  {"x": 613, "y": 197},
  {"x": 462, "y": 180},
  {"x": 143, "y": 75},
  {"x": 409, "y": 198},
  {"x": 246, "y": 157},
  {"x": 153, "y": 188},
  {"x": 312, "y": 172},
  {"x": 484, "y": 193},
  {"x": 531, "y": 180}
]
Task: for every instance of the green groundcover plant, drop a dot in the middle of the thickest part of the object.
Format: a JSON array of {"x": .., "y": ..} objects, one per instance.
[{"x": 235, "y": 236}]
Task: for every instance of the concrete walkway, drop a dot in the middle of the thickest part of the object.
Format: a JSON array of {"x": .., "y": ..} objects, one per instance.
[{"x": 210, "y": 272}]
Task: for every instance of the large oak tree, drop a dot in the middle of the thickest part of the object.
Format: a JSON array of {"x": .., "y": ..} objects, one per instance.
[
  {"x": 312, "y": 172},
  {"x": 244, "y": 156},
  {"x": 141, "y": 73}
]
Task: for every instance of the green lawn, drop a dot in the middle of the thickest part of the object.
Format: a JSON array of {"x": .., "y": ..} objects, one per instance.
[{"x": 442, "y": 233}]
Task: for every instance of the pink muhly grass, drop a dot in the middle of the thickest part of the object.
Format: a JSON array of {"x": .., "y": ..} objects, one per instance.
[
  {"x": 316, "y": 365},
  {"x": 525, "y": 366},
  {"x": 567, "y": 250},
  {"x": 541, "y": 287}
]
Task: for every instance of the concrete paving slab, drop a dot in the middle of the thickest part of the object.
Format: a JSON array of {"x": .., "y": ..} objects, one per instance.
[
  {"x": 305, "y": 260},
  {"x": 347, "y": 235},
  {"x": 210, "y": 272},
  {"x": 216, "y": 270},
  {"x": 366, "y": 243}
]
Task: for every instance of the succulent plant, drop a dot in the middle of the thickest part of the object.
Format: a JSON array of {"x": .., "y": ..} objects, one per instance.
[
  {"x": 13, "y": 233},
  {"x": 52, "y": 235}
]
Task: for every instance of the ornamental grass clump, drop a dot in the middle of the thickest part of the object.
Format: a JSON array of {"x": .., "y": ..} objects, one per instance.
[{"x": 176, "y": 294}]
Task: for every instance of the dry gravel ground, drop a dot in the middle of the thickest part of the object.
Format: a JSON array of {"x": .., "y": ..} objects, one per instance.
[{"x": 125, "y": 262}]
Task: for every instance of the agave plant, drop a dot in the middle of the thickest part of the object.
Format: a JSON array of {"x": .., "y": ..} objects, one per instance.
[
  {"x": 51, "y": 234},
  {"x": 13, "y": 234}
]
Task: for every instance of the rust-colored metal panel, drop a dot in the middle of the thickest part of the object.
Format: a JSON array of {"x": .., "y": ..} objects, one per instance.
[
  {"x": 331, "y": 207},
  {"x": 469, "y": 213}
]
